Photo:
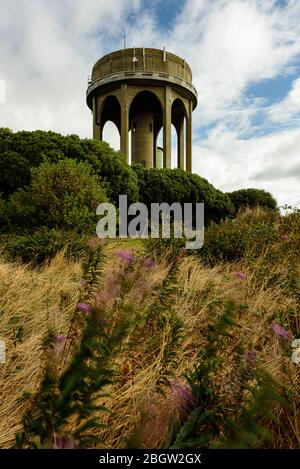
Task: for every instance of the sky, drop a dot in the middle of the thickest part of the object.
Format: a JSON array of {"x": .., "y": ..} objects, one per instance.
[{"x": 245, "y": 58}]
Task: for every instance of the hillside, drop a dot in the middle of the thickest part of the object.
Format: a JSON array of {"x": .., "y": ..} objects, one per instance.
[{"x": 165, "y": 347}]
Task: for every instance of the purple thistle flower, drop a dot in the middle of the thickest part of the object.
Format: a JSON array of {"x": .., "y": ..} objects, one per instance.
[
  {"x": 184, "y": 396},
  {"x": 250, "y": 357},
  {"x": 60, "y": 339},
  {"x": 241, "y": 275},
  {"x": 60, "y": 345},
  {"x": 149, "y": 262},
  {"x": 63, "y": 441},
  {"x": 84, "y": 307},
  {"x": 126, "y": 256},
  {"x": 183, "y": 249},
  {"x": 281, "y": 331},
  {"x": 285, "y": 237}
]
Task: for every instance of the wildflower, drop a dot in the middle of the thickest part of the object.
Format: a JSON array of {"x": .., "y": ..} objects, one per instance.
[
  {"x": 149, "y": 262},
  {"x": 183, "y": 249},
  {"x": 296, "y": 356},
  {"x": 63, "y": 441},
  {"x": 60, "y": 345},
  {"x": 126, "y": 256},
  {"x": 285, "y": 237},
  {"x": 250, "y": 357},
  {"x": 84, "y": 307},
  {"x": 184, "y": 397},
  {"x": 281, "y": 331},
  {"x": 60, "y": 339},
  {"x": 241, "y": 275}
]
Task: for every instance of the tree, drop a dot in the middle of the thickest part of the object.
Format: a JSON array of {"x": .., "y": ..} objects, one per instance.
[
  {"x": 21, "y": 151},
  {"x": 175, "y": 185},
  {"x": 252, "y": 198},
  {"x": 61, "y": 195}
]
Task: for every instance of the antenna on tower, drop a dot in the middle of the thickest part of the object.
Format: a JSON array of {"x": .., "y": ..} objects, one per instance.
[{"x": 124, "y": 41}]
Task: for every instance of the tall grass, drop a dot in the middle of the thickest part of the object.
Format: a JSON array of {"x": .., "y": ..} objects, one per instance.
[{"x": 169, "y": 309}]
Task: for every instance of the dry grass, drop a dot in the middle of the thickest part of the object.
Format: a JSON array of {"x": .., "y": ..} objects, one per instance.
[{"x": 31, "y": 300}]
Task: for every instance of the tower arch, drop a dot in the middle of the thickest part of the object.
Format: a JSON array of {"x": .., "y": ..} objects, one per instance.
[{"x": 145, "y": 121}]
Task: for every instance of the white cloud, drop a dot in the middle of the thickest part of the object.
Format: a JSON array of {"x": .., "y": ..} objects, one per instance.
[
  {"x": 2, "y": 92},
  {"x": 289, "y": 106},
  {"x": 270, "y": 162},
  {"x": 232, "y": 44},
  {"x": 47, "y": 49}
]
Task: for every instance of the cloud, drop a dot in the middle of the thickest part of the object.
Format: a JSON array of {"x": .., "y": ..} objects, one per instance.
[
  {"x": 270, "y": 162},
  {"x": 47, "y": 50},
  {"x": 289, "y": 107},
  {"x": 2, "y": 92}
]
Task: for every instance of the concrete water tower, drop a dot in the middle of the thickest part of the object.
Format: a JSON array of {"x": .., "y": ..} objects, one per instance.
[{"x": 144, "y": 90}]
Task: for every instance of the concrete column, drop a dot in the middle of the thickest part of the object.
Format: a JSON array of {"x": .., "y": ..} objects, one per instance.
[
  {"x": 142, "y": 138},
  {"x": 180, "y": 144},
  {"x": 124, "y": 122},
  {"x": 167, "y": 128},
  {"x": 188, "y": 151},
  {"x": 97, "y": 129}
]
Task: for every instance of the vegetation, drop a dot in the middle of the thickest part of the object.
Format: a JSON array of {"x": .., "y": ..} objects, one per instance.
[
  {"x": 244, "y": 198},
  {"x": 141, "y": 344},
  {"x": 167, "y": 185},
  {"x": 22, "y": 151},
  {"x": 184, "y": 354}
]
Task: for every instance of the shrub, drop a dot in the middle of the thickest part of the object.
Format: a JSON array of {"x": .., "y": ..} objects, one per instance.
[
  {"x": 175, "y": 185},
  {"x": 43, "y": 244},
  {"x": 111, "y": 166},
  {"x": 254, "y": 233},
  {"x": 251, "y": 198},
  {"x": 22, "y": 151},
  {"x": 4, "y": 218},
  {"x": 61, "y": 195}
]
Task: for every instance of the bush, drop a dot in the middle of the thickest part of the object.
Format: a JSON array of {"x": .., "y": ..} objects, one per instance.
[
  {"x": 43, "y": 244},
  {"x": 252, "y": 198},
  {"x": 61, "y": 195},
  {"x": 175, "y": 185},
  {"x": 22, "y": 151},
  {"x": 4, "y": 218},
  {"x": 119, "y": 177},
  {"x": 253, "y": 234}
]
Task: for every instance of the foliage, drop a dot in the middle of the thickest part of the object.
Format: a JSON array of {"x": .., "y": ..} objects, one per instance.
[
  {"x": 251, "y": 234},
  {"x": 119, "y": 177},
  {"x": 175, "y": 185},
  {"x": 42, "y": 244},
  {"x": 252, "y": 198},
  {"x": 68, "y": 395},
  {"x": 22, "y": 151},
  {"x": 4, "y": 218},
  {"x": 211, "y": 423},
  {"x": 61, "y": 195},
  {"x": 194, "y": 347}
]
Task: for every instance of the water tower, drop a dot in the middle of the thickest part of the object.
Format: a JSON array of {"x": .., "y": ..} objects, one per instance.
[{"x": 144, "y": 90}]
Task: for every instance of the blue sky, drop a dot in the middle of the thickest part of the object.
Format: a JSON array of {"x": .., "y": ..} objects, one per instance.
[{"x": 245, "y": 57}]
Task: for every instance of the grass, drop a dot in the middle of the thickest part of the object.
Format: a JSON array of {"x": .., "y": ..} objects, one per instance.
[{"x": 169, "y": 316}]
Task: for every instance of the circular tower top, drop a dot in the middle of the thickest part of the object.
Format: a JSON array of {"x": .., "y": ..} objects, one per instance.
[{"x": 136, "y": 65}]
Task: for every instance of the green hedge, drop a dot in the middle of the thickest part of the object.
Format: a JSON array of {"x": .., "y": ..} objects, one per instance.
[
  {"x": 42, "y": 244},
  {"x": 252, "y": 198},
  {"x": 22, "y": 151},
  {"x": 175, "y": 185},
  {"x": 62, "y": 195}
]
